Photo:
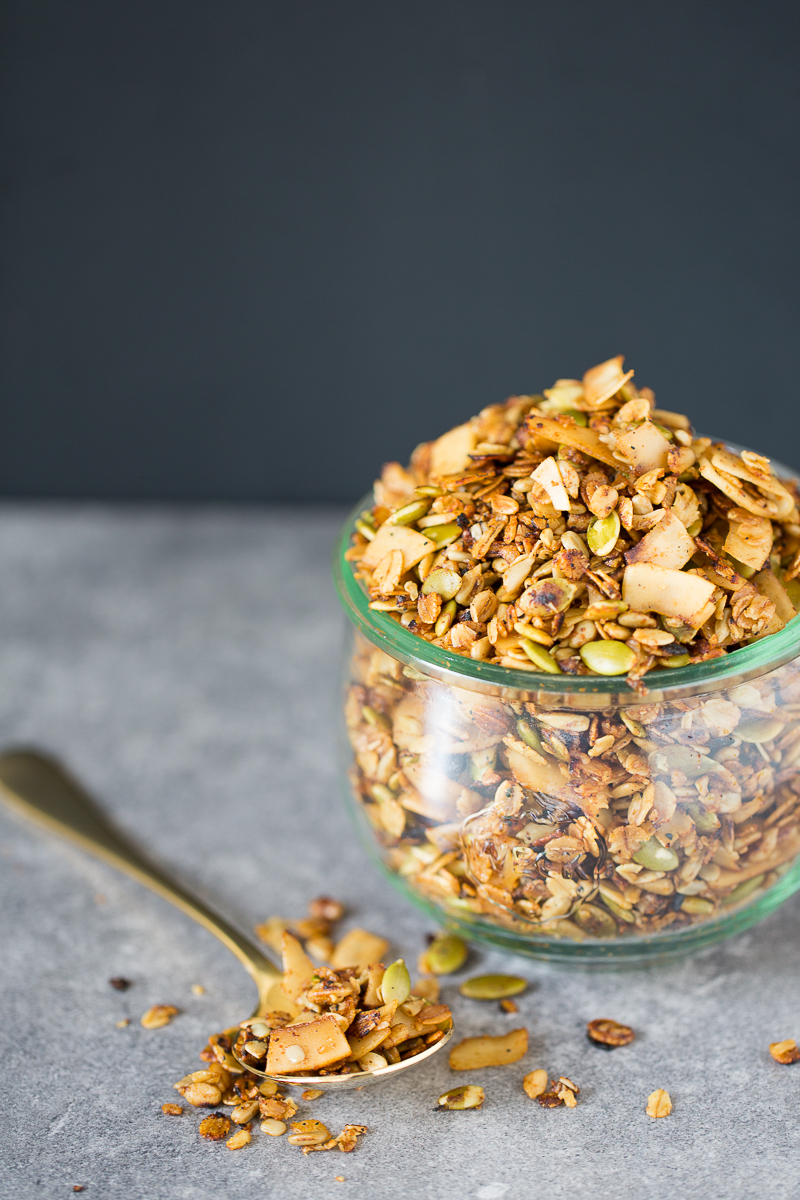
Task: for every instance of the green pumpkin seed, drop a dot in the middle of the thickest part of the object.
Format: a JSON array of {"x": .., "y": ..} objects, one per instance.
[
  {"x": 705, "y": 821},
  {"x": 634, "y": 727},
  {"x": 759, "y": 731},
  {"x": 540, "y": 658},
  {"x": 694, "y": 528},
  {"x": 656, "y": 857},
  {"x": 578, "y": 417},
  {"x": 619, "y": 912},
  {"x": 468, "y": 1096},
  {"x": 409, "y": 513},
  {"x": 529, "y": 736},
  {"x": 743, "y": 890},
  {"x": 602, "y": 534},
  {"x": 445, "y": 618},
  {"x": 396, "y": 983},
  {"x": 443, "y": 535},
  {"x": 367, "y": 531},
  {"x": 381, "y": 793},
  {"x": 372, "y": 717},
  {"x": 446, "y": 954},
  {"x": 493, "y": 987},
  {"x": 697, "y": 906},
  {"x": 675, "y": 660},
  {"x": 595, "y": 921},
  {"x": 427, "y": 489},
  {"x": 608, "y": 658},
  {"x": 444, "y": 582}
]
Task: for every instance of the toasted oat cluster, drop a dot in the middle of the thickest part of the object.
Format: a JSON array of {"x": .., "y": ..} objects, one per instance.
[{"x": 582, "y": 531}]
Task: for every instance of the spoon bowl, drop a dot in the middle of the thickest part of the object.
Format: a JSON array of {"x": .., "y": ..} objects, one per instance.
[{"x": 39, "y": 789}]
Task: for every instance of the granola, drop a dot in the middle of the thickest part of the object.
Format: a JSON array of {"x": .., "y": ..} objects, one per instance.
[
  {"x": 583, "y": 531},
  {"x": 611, "y": 817}
]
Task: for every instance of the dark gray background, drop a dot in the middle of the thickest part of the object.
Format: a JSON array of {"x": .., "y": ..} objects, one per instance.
[{"x": 252, "y": 248}]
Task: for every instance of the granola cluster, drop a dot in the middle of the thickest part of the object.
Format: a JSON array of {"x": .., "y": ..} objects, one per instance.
[
  {"x": 583, "y": 531},
  {"x": 579, "y": 822}
]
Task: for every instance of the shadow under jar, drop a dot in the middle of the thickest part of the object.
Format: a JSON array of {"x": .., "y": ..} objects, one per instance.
[{"x": 568, "y": 817}]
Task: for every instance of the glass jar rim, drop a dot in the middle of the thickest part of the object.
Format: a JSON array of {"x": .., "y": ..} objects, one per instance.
[{"x": 739, "y": 666}]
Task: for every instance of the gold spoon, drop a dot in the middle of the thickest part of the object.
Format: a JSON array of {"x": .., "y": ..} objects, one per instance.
[{"x": 39, "y": 789}]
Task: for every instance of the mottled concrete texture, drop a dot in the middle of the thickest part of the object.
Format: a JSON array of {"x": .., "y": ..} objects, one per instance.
[{"x": 185, "y": 665}]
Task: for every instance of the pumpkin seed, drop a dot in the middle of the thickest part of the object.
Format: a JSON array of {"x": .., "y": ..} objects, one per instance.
[
  {"x": 608, "y": 658},
  {"x": 619, "y": 912},
  {"x": 634, "y": 727},
  {"x": 446, "y": 954},
  {"x": 366, "y": 531},
  {"x": 602, "y": 534},
  {"x": 656, "y": 857},
  {"x": 759, "y": 731},
  {"x": 396, "y": 983},
  {"x": 743, "y": 890},
  {"x": 469, "y": 1096},
  {"x": 595, "y": 921},
  {"x": 493, "y": 987},
  {"x": 443, "y": 535},
  {"x": 705, "y": 821},
  {"x": 427, "y": 489},
  {"x": 445, "y": 618},
  {"x": 409, "y": 513},
  {"x": 529, "y": 736},
  {"x": 443, "y": 582},
  {"x": 697, "y": 905},
  {"x": 540, "y": 658},
  {"x": 675, "y": 660}
]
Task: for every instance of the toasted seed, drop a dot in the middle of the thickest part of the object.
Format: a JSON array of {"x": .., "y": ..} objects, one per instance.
[
  {"x": 308, "y": 1133},
  {"x": 540, "y": 657},
  {"x": 743, "y": 890},
  {"x": 602, "y": 535},
  {"x": 396, "y": 983},
  {"x": 469, "y": 1096},
  {"x": 256, "y": 1049},
  {"x": 535, "y": 1084},
  {"x": 312, "y": 1094},
  {"x": 607, "y": 1033},
  {"x": 273, "y": 1127},
  {"x": 509, "y": 1006},
  {"x": 493, "y": 987},
  {"x": 172, "y": 1110},
  {"x": 785, "y": 1052},
  {"x": 656, "y": 857},
  {"x": 446, "y": 954},
  {"x": 239, "y": 1139},
  {"x": 697, "y": 906},
  {"x": 759, "y": 731},
  {"x": 659, "y": 1104},
  {"x": 268, "y": 1088},
  {"x": 215, "y": 1127},
  {"x": 409, "y": 513},
  {"x": 243, "y": 1113},
  {"x": 443, "y": 582},
  {"x": 595, "y": 921},
  {"x": 158, "y": 1016},
  {"x": 372, "y": 1061},
  {"x": 259, "y": 1029},
  {"x": 442, "y": 535},
  {"x": 607, "y": 657}
]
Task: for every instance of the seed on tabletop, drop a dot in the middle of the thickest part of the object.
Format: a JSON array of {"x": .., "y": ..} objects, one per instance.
[
  {"x": 124, "y": 1023},
  {"x": 492, "y": 987},
  {"x": 609, "y": 1034},
  {"x": 659, "y": 1104},
  {"x": 215, "y": 1127},
  {"x": 445, "y": 955},
  {"x": 273, "y": 1127},
  {"x": 239, "y": 1139},
  {"x": 312, "y": 1094},
  {"x": 198, "y": 989},
  {"x": 158, "y": 1016},
  {"x": 509, "y": 1006},
  {"x": 120, "y": 983},
  {"x": 785, "y": 1052},
  {"x": 326, "y": 909},
  {"x": 535, "y": 1084},
  {"x": 470, "y": 1096},
  {"x": 172, "y": 1110},
  {"x": 338, "y": 1179}
]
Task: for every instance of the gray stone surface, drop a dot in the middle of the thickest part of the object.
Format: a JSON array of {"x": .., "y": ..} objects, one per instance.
[{"x": 185, "y": 664}]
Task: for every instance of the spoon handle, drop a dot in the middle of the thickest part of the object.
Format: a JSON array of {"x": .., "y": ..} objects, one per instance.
[{"x": 41, "y": 790}]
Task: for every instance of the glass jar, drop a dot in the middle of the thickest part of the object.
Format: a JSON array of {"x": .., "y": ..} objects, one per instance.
[{"x": 570, "y": 817}]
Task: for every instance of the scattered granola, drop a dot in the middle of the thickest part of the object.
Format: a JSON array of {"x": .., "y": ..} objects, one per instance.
[
  {"x": 469, "y": 1096},
  {"x": 120, "y": 983},
  {"x": 239, "y": 1139},
  {"x": 562, "y": 1091},
  {"x": 785, "y": 1052},
  {"x": 312, "y": 1094},
  {"x": 509, "y": 1006},
  {"x": 445, "y": 955},
  {"x": 215, "y": 1127},
  {"x": 524, "y": 535},
  {"x": 535, "y": 1084},
  {"x": 493, "y": 987},
  {"x": 609, "y": 1034},
  {"x": 123, "y": 1024},
  {"x": 487, "y": 1051},
  {"x": 659, "y": 1104},
  {"x": 172, "y": 1110},
  {"x": 158, "y": 1016}
]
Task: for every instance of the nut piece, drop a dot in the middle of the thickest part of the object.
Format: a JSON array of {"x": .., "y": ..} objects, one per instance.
[
  {"x": 607, "y": 1033},
  {"x": 785, "y": 1052},
  {"x": 273, "y": 1127},
  {"x": 159, "y": 1015},
  {"x": 469, "y": 1096},
  {"x": 486, "y": 1051},
  {"x": 658, "y": 1104},
  {"x": 243, "y": 1113},
  {"x": 535, "y": 1084},
  {"x": 493, "y": 987},
  {"x": 550, "y": 1100},
  {"x": 215, "y": 1127},
  {"x": 120, "y": 983},
  {"x": 172, "y": 1110},
  {"x": 239, "y": 1139}
]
